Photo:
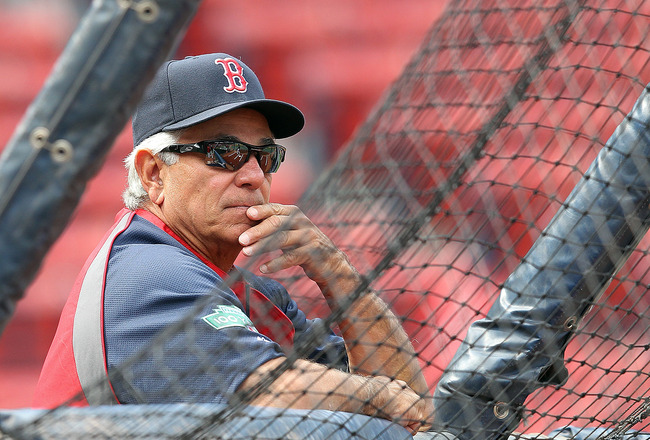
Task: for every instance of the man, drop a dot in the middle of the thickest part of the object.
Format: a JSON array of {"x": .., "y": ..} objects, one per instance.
[{"x": 198, "y": 196}]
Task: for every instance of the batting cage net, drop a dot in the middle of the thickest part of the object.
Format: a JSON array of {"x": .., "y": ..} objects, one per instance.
[{"x": 497, "y": 199}]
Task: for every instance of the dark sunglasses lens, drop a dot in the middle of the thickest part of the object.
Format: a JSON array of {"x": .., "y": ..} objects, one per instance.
[
  {"x": 233, "y": 156},
  {"x": 229, "y": 156},
  {"x": 270, "y": 158}
]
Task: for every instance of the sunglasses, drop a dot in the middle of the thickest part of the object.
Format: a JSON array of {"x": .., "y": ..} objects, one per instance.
[{"x": 232, "y": 155}]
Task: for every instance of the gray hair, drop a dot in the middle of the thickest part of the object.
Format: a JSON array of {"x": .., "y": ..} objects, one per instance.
[{"x": 134, "y": 196}]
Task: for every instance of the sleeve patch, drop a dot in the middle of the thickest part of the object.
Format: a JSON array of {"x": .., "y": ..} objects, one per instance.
[{"x": 229, "y": 316}]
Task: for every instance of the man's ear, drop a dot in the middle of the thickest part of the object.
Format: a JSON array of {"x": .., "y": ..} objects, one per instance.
[{"x": 149, "y": 167}]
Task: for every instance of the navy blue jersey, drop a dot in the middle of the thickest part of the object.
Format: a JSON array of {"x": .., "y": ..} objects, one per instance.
[
  {"x": 154, "y": 282},
  {"x": 171, "y": 328}
]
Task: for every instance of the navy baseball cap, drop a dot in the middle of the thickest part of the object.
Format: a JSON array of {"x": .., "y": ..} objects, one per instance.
[{"x": 192, "y": 90}]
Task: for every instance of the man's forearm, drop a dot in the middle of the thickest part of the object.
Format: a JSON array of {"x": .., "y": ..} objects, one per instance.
[
  {"x": 375, "y": 340},
  {"x": 377, "y": 343},
  {"x": 310, "y": 386},
  {"x": 307, "y": 385}
]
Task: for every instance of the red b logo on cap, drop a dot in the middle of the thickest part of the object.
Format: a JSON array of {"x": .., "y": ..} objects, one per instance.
[{"x": 234, "y": 73}]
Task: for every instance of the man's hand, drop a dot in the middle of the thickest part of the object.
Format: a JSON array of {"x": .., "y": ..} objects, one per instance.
[
  {"x": 287, "y": 228},
  {"x": 376, "y": 343},
  {"x": 394, "y": 400}
]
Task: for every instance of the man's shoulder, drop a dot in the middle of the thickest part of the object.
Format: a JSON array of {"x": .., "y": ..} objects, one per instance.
[
  {"x": 144, "y": 251},
  {"x": 145, "y": 241},
  {"x": 142, "y": 231}
]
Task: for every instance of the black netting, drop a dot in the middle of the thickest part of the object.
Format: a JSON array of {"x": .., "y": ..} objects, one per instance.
[{"x": 438, "y": 199}]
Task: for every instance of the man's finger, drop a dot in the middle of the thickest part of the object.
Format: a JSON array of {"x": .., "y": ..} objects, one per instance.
[
  {"x": 266, "y": 228},
  {"x": 280, "y": 240},
  {"x": 286, "y": 260},
  {"x": 259, "y": 212}
]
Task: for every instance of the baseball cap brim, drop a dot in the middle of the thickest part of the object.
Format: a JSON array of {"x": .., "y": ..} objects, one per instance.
[{"x": 284, "y": 119}]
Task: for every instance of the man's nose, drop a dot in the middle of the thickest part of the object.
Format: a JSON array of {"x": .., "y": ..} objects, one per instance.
[{"x": 251, "y": 173}]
